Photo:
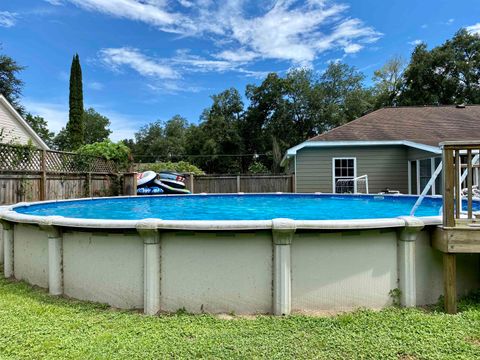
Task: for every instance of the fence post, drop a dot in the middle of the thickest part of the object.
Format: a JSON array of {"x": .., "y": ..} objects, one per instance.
[
  {"x": 293, "y": 183},
  {"x": 129, "y": 184},
  {"x": 190, "y": 179},
  {"x": 43, "y": 179},
  {"x": 238, "y": 183},
  {"x": 89, "y": 182}
]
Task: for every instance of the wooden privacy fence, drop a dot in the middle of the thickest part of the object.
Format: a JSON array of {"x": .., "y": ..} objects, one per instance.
[
  {"x": 240, "y": 183},
  {"x": 30, "y": 174}
]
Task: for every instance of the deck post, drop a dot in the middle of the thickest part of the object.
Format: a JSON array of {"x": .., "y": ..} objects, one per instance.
[
  {"x": 450, "y": 282},
  {"x": 282, "y": 233},
  {"x": 55, "y": 258},
  {"x": 448, "y": 188},
  {"x": 407, "y": 237},
  {"x": 151, "y": 272},
  {"x": 7, "y": 249}
]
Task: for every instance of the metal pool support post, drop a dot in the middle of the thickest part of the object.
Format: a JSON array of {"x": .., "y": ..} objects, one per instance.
[
  {"x": 55, "y": 258},
  {"x": 151, "y": 268},
  {"x": 282, "y": 232},
  {"x": 7, "y": 248},
  {"x": 406, "y": 260}
]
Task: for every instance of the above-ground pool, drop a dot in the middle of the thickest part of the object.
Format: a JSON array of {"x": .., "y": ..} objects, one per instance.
[
  {"x": 241, "y": 253},
  {"x": 238, "y": 207}
]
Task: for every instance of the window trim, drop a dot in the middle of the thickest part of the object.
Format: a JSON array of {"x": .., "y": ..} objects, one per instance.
[
  {"x": 333, "y": 169},
  {"x": 418, "y": 191}
]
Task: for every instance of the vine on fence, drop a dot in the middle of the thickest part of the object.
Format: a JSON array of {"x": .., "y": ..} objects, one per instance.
[{"x": 29, "y": 158}]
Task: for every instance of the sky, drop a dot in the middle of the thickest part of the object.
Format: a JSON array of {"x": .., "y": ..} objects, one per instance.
[{"x": 145, "y": 60}]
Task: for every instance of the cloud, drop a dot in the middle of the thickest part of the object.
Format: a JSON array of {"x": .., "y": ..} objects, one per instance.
[
  {"x": 450, "y": 21},
  {"x": 54, "y": 2},
  {"x": 123, "y": 126},
  {"x": 416, "y": 42},
  {"x": 352, "y": 48},
  {"x": 474, "y": 29},
  {"x": 166, "y": 74},
  {"x": 8, "y": 19},
  {"x": 56, "y": 114},
  {"x": 116, "y": 58},
  {"x": 152, "y": 12},
  {"x": 239, "y": 55},
  {"x": 297, "y": 31},
  {"x": 95, "y": 85}
]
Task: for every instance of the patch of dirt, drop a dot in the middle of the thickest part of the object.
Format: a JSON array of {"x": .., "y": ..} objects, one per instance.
[
  {"x": 474, "y": 341},
  {"x": 329, "y": 313},
  {"x": 407, "y": 357},
  {"x": 236, "y": 317}
]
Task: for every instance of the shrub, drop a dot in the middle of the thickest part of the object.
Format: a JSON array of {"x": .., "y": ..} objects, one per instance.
[
  {"x": 257, "y": 168},
  {"x": 180, "y": 167},
  {"x": 117, "y": 152}
]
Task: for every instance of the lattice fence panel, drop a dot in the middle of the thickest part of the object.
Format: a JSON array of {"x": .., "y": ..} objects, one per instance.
[
  {"x": 19, "y": 158},
  {"x": 24, "y": 158},
  {"x": 62, "y": 162}
]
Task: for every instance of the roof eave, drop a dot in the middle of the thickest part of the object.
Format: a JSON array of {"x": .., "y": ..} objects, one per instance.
[
  {"x": 24, "y": 123},
  {"x": 313, "y": 144}
]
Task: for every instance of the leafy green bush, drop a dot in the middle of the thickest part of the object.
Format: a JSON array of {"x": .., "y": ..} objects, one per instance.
[
  {"x": 117, "y": 152},
  {"x": 257, "y": 168},
  {"x": 180, "y": 167}
]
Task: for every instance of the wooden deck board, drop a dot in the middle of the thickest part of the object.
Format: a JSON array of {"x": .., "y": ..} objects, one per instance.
[{"x": 457, "y": 240}]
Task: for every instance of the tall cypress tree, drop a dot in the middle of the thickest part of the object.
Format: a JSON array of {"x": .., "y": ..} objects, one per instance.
[{"x": 75, "y": 126}]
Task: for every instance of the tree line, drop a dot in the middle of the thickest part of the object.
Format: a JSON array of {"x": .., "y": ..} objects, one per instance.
[
  {"x": 282, "y": 111},
  {"x": 236, "y": 136}
]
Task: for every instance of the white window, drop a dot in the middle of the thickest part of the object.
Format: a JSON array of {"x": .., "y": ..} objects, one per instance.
[{"x": 345, "y": 170}]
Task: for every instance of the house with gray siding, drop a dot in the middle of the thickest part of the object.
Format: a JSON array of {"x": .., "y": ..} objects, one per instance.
[
  {"x": 14, "y": 129},
  {"x": 396, "y": 148}
]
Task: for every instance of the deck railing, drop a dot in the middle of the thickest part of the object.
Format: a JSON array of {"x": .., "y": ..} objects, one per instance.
[{"x": 453, "y": 175}]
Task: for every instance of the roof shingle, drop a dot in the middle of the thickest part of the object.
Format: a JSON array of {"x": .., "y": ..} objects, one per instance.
[{"x": 428, "y": 125}]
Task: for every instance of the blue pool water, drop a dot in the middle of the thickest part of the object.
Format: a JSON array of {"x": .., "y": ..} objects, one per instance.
[{"x": 239, "y": 207}]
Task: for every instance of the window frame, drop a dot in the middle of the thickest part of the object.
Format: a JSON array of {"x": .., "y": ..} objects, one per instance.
[
  {"x": 335, "y": 178},
  {"x": 416, "y": 179}
]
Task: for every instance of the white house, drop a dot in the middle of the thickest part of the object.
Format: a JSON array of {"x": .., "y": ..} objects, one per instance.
[{"x": 14, "y": 129}]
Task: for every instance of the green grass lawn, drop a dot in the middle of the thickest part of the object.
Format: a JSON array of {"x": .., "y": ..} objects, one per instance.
[{"x": 34, "y": 325}]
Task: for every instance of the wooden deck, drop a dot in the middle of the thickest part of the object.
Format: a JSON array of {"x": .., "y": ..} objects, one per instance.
[
  {"x": 457, "y": 240},
  {"x": 460, "y": 232}
]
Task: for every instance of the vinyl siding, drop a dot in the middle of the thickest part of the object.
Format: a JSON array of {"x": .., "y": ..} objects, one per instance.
[
  {"x": 417, "y": 154},
  {"x": 13, "y": 131},
  {"x": 386, "y": 166}
]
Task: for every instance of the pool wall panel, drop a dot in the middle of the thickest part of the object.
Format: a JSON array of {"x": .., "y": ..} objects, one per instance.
[
  {"x": 217, "y": 272},
  {"x": 1, "y": 244},
  {"x": 343, "y": 271},
  {"x": 106, "y": 268},
  {"x": 30, "y": 255},
  {"x": 429, "y": 270},
  {"x": 232, "y": 271}
]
